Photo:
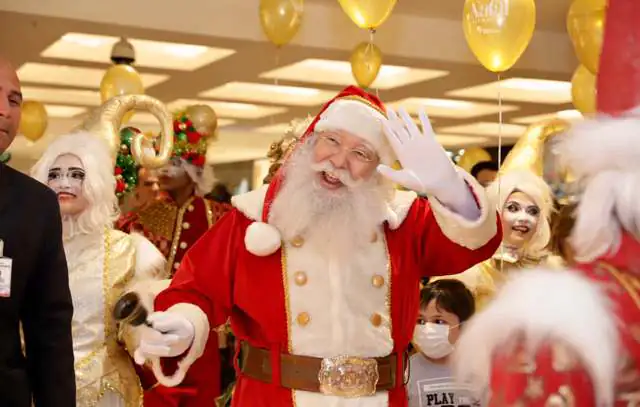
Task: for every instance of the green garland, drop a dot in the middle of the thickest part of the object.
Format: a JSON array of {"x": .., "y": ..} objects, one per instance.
[{"x": 126, "y": 170}]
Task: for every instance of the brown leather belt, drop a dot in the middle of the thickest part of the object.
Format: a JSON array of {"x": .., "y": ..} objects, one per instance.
[{"x": 341, "y": 376}]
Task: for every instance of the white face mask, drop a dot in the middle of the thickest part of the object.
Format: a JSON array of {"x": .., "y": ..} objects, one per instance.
[
  {"x": 520, "y": 218},
  {"x": 433, "y": 340},
  {"x": 66, "y": 177}
]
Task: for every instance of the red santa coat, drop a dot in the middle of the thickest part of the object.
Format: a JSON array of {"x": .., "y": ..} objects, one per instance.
[
  {"x": 300, "y": 301},
  {"x": 587, "y": 322}
]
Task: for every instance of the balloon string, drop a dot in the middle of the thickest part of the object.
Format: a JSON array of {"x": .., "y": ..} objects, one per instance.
[
  {"x": 372, "y": 33},
  {"x": 500, "y": 161}
]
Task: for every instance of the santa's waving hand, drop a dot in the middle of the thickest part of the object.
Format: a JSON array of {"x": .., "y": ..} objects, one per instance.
[{"x": 426, "y": 168}]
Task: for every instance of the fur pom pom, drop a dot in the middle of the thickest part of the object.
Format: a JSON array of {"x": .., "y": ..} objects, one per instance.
[{"x": 262, "y": 239}]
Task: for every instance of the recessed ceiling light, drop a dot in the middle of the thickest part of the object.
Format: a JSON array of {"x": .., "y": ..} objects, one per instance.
[
  {"x": 568, "y": 115},
  {"x": 485, "y": 129},
  {"x": 148, "y": 118},
  {"x": 56, "y": 95},
  {"x": 230, "y": 109},
  {"x": 63, "y": 111},
  {"x": 519, "y": 90},
  {"x": 450, "y": 108},
  {"x": 149, "y": 54},
  {"x": 47, "y": 74},
  {"x": 266, "y": 93},
  {"x": 339, "y": 73}
]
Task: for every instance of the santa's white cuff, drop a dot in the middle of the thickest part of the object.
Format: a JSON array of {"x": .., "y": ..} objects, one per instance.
[{"x": 472, "y": 234}]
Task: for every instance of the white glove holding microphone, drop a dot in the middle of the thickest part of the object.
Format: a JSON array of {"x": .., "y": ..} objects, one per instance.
[
  {"x": 171, "y": 335},
  {"x": 426, "y": 168}
]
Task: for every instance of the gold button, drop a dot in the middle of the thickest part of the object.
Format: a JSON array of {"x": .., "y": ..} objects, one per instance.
[
  {"x": 374, "y": 237},
  {"x": 303, "y": 319},
  {"x": 376, "y": 320},
  {"x": 186, "y": 225},
  {"x": 297, "y": 241},
  {"x": 377, "y": 281},
  {"x": 190, "y": 208},
  {"x": 183, "y": 245},
  {"x": 176, "y": 265},
  {"x": 300, "y": 277}
]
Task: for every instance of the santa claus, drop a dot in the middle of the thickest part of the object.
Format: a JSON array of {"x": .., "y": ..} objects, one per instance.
[
  {"x": 319, "y": 270},
  {"x": 572, "y": 337}
]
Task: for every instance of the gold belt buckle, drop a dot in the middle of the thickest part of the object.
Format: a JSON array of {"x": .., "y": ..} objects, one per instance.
[{"x": 348, "y": 377}]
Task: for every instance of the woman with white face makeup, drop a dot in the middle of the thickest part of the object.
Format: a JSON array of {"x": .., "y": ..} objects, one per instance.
[
  {"x": 103, "y": 264},
  {"x": 524, "y": 201}
]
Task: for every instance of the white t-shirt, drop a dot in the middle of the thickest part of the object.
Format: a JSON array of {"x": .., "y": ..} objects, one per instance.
[{"x": 431, "y": 384}]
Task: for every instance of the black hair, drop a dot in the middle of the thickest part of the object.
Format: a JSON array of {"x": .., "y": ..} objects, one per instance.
[
  {"x": 483, "y": 165},
  {"x": 450, "y": 295}
]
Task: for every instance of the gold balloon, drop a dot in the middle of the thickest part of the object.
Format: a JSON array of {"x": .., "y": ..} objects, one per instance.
[
  {"x": 583, "y": 90},
  {"x": 34, "y": 120},
  {"x": 105, "y": 123},
  {"x": 281, "y": 19},
  {"x": 585, "y": 24},
  {"x": 472, "y": 156},
  {"x": 366, "y": 60},
  {"x": 368, "y": 14},
  {"x": 498, "y": 31},
  {"x": 120, "y": 80},
  {"x": 528, "y": 152},
  {"x": 204, "y": 119}
]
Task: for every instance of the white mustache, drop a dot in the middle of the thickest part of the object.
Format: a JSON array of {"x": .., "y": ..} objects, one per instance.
[{"x": 343, "y": 175}]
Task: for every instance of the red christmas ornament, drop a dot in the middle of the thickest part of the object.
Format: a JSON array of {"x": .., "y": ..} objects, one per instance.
[
  {"x": 120, "y": 186},
  {"x": 193, "y": 137},
  {"x": 198, "y": 161},
  {"x": 118, "y": 171}
]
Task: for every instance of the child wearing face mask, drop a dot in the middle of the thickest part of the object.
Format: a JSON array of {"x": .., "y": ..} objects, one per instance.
[{"x": 444, "y": 306}]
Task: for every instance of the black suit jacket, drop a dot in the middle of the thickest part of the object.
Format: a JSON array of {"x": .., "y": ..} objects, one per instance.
[{"x": 40, "y": 299}]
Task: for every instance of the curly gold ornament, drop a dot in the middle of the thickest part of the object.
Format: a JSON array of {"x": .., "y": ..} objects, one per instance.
[
  {"x": 106, "y": 120},
  {"x": 527, "y": 154},
  {"x": 281, "y": 149}
]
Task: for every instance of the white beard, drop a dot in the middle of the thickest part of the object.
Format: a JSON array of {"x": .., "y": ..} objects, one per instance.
[{"x": 337, "y": 222}]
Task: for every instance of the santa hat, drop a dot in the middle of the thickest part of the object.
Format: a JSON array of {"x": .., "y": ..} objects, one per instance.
[
  {"x": 603, "y": 153},
  {"x": 352, "y": 110},
  {"x": 611, "y": 140}
]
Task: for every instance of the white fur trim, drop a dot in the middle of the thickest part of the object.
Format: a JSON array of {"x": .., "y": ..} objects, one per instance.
[
  {"x": 472, "y": 234},
  {"x": 262, "y": 239},
  {"x": 150, "y": 263},
  {"x": 602, "y": 144},
  {"x": 250, "y": 203},
  {"x": 399, "y": 208},
  {"x": 544, "y": 305},
  {"x": 359, "y": 119}
]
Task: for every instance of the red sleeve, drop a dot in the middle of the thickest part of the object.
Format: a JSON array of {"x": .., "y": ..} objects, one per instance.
[
  {"x": 438, "y": 254},
  {"x": 206, "y": 273},
  {"x": 550, "y": 377}
]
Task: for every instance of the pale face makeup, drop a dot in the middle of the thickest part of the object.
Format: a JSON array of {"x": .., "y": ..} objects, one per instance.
[
  {"x": 173, "y": 176},
  {"x": 66, "y": 178},
  {"x": 520, "y": 218}
]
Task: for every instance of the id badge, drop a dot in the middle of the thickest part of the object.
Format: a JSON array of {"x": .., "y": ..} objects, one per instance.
[{"x": 5, "y": 277}]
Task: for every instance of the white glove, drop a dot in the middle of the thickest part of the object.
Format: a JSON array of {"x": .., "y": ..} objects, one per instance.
[
  {"x": 172, "y": 334},
  {"x": 426, "y": 168}
]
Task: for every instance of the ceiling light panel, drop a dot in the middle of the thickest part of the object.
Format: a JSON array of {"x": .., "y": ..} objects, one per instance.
[
  {"x": 63, "y": 111},
  {"x": 485, "y": 129},
  {"x": 149, "y": 54},
  {"x": 339, "y": 73},
  {"x": 568, "y": 115},
  {"x": 449, "y": 108},
  {"x": 230, "y": 110},
  {"x": 62, "y": 75},
  {"x": 55, "y": 95},
  {"x": 452, "y": 140},
  {"x": 280, "y": 128},
  {"x": 149, "y": 119},
  {"x": 519, "y": 90},
  {"x": 267, "y": 93}
]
